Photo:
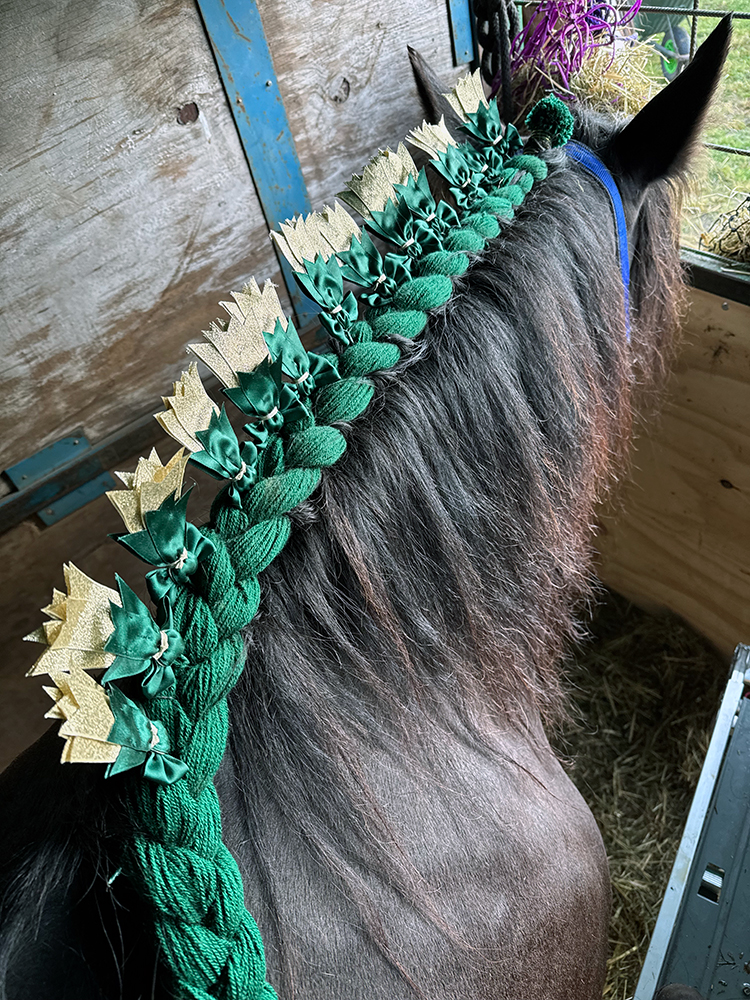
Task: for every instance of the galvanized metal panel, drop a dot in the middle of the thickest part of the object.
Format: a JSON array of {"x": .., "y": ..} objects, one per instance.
[{"x": 686, "y": 946}]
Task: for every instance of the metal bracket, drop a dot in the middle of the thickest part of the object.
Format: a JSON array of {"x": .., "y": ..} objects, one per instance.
[
  {"x": 69, "y": 473},
  {"x": 40, "y": 482}
]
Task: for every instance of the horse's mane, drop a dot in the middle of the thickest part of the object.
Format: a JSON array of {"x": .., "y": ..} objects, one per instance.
[{"x": 433, "y": 582}]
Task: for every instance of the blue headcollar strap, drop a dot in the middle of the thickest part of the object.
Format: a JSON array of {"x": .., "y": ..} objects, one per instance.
[{"x": 592, "y": 163}]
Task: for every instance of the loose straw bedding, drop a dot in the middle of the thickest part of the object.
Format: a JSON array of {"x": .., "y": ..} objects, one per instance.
[{"x": 645, "y": 691}]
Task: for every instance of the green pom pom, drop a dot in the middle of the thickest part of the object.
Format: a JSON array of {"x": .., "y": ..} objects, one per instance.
[{"x": 549, "y": 117}]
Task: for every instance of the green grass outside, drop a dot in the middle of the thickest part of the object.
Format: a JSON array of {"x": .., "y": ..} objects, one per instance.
[{"x": 722, "y": 180}]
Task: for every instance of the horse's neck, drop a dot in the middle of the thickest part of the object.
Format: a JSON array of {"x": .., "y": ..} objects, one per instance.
[{"x": 494, "y": 846}]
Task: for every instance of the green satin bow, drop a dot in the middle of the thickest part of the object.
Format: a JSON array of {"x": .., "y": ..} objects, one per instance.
[
  {"x": 413, "y": 223},
  {"x": 411, "y": 235},
  {"x": 462, "y": 168},
  {"x": 322, "y": 371},
  {"x": 497, "y": 180},
  {"x": 485, "y": 125},
  {"x": 307, "y": 370},
  {"x": 141, "y": 646},
  {"x": 338, "y": 323},
  {"x": 362, "y": 264},
  {"x": 224, "y": 458},
  {"x": 322, "y": 281},
  {"x": 417, "y": 195},
  {"x": 473, "y": 173},
  {"x": 270, "y": 403},
  {"x": 143, "y": 742},
  {"x": 170, "y": 543}
]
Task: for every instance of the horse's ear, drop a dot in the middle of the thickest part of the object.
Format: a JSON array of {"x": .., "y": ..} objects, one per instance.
[{"x": 658, "y": 141}]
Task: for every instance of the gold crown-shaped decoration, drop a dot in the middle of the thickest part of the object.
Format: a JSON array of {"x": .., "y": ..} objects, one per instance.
[
  {"x": 147, "y": 488},
  {"x": 237, "y": 345},
  {"x": 189, "y": 409},
  {"x": 80, "y": 624},
  {"x": 432, "y": 139},
  {"x": 83, "y": 705},
  {"x": 326, "y": 232},
  {"x": 467, "y": 95},
  {"x": 370, "y": 191}
]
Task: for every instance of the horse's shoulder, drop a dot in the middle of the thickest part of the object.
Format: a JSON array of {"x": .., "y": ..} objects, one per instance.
[{"x": 65, "y": 924}]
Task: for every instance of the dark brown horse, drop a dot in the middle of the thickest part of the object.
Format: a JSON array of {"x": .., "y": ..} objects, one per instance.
[{"x": 402, "y": 825}]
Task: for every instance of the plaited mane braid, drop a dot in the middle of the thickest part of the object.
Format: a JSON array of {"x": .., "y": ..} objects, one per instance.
[{"x": 161, "y": 705}]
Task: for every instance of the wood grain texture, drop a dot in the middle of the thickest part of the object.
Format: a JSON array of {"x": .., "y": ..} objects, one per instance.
[
  {"x": 122, "y": 228},
  {"x": 681, "y": 537},
  {"x": 346, "y": 80}
]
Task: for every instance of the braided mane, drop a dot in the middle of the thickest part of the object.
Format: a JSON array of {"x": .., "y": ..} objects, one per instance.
[{"x": 409, "y": 564}]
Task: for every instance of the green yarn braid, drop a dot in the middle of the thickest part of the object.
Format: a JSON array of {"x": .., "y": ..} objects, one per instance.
[{"x": 176, "y": 857}]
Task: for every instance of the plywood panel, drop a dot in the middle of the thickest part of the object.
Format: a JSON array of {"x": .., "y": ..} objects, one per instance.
[
  {"x": 121, "y": 227},
  {"x": 682, "y": 536},
  {"x": 346, "y": 80}
]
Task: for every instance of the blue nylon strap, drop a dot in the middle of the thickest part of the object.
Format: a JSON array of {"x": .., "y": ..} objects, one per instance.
[{"x": 588, "y": 159}]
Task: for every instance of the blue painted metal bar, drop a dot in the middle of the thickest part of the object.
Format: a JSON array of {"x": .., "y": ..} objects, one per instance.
[
  {"x": 57, "y": 480},
  {"x": 461, "y": 20},
  {"x": 77, "y": 498},
  {"x": 47, "y": 461},
  {"x": 70, "y": 472},
  {"x": 235, "y": 31}
]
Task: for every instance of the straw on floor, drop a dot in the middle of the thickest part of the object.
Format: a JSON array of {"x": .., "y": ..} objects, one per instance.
[{"x": 646, "y": 690}]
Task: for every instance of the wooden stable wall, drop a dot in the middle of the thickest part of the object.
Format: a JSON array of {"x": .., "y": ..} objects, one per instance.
[
  {"x": 126, "y": 219},
  {"x": 121, "y": 226},
  {"x": 680, "y": 537}
]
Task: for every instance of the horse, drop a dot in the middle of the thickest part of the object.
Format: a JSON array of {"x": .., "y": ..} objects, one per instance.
[{"x": 402, "y": 826}]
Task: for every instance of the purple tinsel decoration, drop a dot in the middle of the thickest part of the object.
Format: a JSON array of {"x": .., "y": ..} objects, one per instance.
[{"x": 563, "y": 32}]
